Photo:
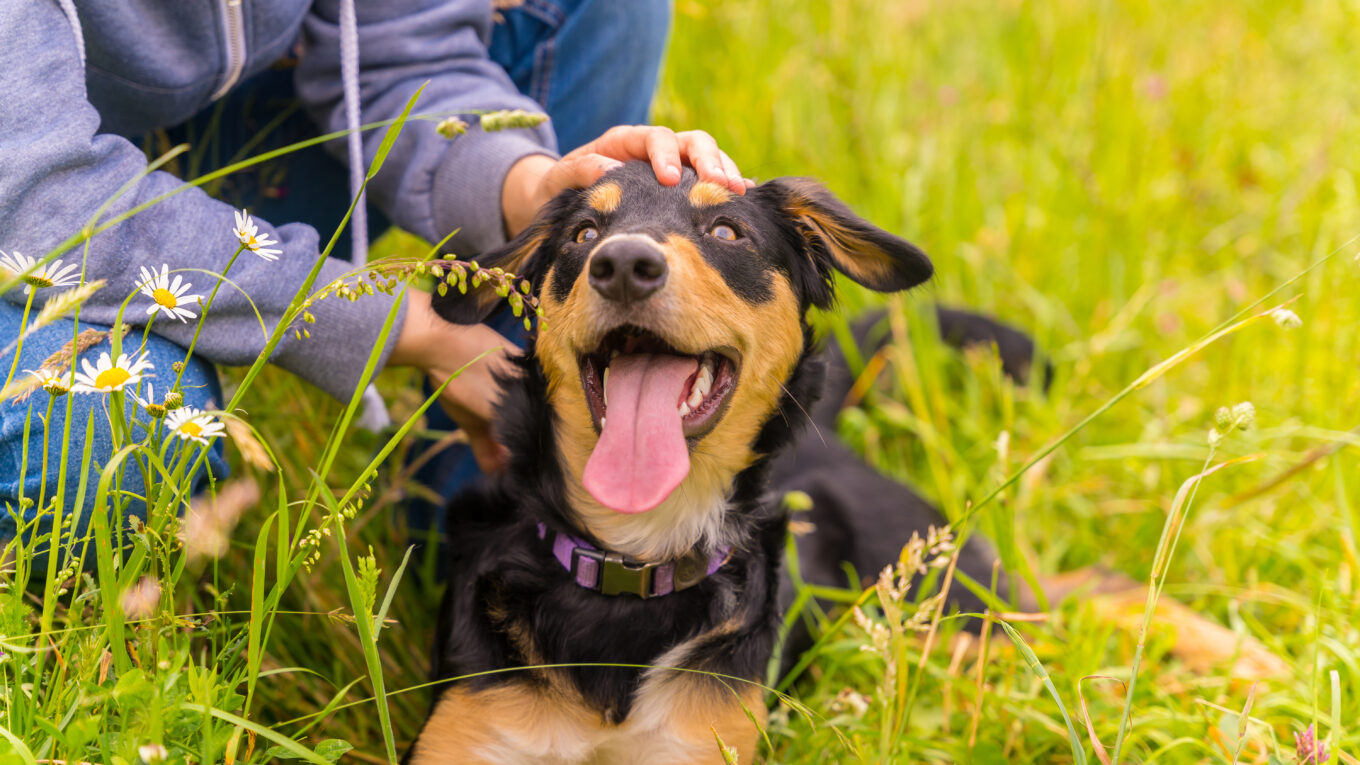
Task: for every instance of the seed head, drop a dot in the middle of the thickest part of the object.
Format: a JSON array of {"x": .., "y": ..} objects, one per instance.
[
  {"x": 511, "y": 118},
  {"x": 451, "y": 127}
]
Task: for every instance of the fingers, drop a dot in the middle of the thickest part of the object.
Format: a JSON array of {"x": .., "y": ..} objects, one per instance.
[
  {"x": 577, "y": 171},
  {"x": 710, "y": 162},
  {"x": 666, "y": 150},
  {"x": 490, "y": 455},
  {"x": 663, "y": 149}
]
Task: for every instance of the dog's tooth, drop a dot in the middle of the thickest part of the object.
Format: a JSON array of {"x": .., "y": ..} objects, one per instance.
[
  {"x": 696, "y": 397},
  {"x": 704, "y": 381},
  {"x": 684, "y": 408},
  {"x": 601, "y": 423},
  {"x": 604, "y": 383}
]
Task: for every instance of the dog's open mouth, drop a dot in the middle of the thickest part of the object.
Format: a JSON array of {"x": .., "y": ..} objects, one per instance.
[{"x": 650, "y": 403}]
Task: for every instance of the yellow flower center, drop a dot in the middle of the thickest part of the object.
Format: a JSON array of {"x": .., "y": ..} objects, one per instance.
[
  {"x": 38, "y": 281},
  {"x": 165, "y": 297},
  {"x": 191, "y": 429},
  {"x": 112, "y": 378}
]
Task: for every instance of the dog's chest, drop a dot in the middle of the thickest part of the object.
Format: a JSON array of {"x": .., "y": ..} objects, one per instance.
[{"x": 673, "y": 720}]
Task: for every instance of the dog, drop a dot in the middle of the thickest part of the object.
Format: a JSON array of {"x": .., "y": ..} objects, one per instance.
[{"x": 615, "y": 595}]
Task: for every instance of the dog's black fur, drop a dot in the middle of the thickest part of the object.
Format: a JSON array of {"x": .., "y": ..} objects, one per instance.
[
  {"x": 859, "y": 516},
  {"x": 509, "y": 602}
]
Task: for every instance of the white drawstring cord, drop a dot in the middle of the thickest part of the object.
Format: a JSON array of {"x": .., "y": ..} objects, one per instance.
[
  {"x": 349, "y": 77},
  {"x": 374, "y": 416},
  {"x": 68, "y": 7}
]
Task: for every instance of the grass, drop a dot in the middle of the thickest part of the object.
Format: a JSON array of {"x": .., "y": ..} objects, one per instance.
[{"x": 1119, "y": 178}]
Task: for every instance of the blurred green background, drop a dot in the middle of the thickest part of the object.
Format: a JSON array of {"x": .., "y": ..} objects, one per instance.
[{"x": 1119, "y": 179}]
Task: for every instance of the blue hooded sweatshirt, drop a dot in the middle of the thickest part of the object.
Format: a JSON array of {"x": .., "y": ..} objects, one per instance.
[{"x": 77, "y": 77}]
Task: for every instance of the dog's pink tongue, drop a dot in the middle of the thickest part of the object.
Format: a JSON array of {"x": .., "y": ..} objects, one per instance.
[{"x": 641, "y": 455}]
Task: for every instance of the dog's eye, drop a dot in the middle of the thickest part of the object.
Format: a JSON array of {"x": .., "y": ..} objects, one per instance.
[
  {"x": 586, "y": 234},
  {"x": 723, "y": 231}
]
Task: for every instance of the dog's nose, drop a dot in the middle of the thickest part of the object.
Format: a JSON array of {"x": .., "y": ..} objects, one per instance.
[{"x": 627, "y": 270}]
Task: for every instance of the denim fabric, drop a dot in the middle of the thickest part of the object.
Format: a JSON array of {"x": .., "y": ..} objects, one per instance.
[
  {"x": 201, "y": 390},
  {"x": 593, "y": 64}
]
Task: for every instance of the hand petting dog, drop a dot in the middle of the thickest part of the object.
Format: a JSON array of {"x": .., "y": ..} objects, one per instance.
[{"x": 440, "y": 349}]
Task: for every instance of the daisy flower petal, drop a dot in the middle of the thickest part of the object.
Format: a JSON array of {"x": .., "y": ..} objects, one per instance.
[
  {"x": 191, "y": 424},
  {"x": 55, "y": 382},
  {"x": 109, "y": 375},
  {"x": 41, "y": 277},
  {"x": 168, "y": 297}
]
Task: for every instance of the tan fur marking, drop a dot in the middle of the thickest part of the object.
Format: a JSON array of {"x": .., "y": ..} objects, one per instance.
[
  {"x": 706, "y": 194},
  {"x": 695, "y": 311},
  {"x": 858, "y": 261},
  {"x": 494, "y": 725},
  {"x": 672, "y": 724},
  {"x": 605, "y": 198},
  {"x": 693, "y": 708}
]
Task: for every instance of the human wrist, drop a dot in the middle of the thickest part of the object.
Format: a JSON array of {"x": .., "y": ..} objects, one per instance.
[{"x": 522, "y": 193}]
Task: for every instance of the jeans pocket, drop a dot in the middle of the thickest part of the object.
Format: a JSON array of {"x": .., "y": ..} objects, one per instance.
[{"x": 523, "y": 43}]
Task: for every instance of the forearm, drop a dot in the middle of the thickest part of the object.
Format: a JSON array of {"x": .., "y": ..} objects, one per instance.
[
  {"x": 430, "y": 185},
  {"x": 59, "y": 171}
]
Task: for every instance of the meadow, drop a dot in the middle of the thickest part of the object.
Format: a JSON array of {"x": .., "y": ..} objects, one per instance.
[{"x": 1164, "y": 196}]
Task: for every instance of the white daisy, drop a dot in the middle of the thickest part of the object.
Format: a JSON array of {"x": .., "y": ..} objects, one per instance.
[
  {"x": 108, "y": 376},
  {"x": 248, "y": 232},
  {"x": 167, "y": 297},
  {"x": 54, "y": 381},
  {"x": 50, "y": 275},
  {"x": 150, "y": 404},
  {"x": 192, "y": 424}
]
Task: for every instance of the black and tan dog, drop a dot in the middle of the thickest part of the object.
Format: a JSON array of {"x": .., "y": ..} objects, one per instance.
[{"x": 635, "y": 526}]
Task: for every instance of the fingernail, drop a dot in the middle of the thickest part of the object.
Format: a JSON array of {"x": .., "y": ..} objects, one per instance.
[
  {"x": 673, "y": 172},
  {"x": 750, "y": 184}
]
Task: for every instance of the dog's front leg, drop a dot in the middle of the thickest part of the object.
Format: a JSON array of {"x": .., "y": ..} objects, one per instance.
[
  {"x": 506, "y": 724},
  {"x": 674, "y": 721}
]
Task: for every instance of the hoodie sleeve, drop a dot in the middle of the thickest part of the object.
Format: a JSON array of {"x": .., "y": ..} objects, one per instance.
[
  {"x": 429, "y": 185},
  {"x": 57, "y": 170}
]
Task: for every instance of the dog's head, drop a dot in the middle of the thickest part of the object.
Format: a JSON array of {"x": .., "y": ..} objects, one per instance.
[{"x": 672, "y": 319}]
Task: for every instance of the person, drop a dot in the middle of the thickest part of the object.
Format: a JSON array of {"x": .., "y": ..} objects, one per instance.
[{"x": 83, "y": 80}]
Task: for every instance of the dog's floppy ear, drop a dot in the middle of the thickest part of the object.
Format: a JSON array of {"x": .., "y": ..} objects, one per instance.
[
  {"x": 517, "y": 257},
  {"x": 835, "y": 236}
]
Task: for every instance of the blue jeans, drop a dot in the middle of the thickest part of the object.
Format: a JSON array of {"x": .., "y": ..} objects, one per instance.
[
  {"x": 23, "y": 475},
  {"x": 592, "y": 64}
]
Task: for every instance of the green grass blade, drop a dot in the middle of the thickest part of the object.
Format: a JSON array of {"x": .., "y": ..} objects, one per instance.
[
  {"x": 1078, "y": 751},
  {"x": 393, "y": 131},
  {"x": 297, "y": 749}
]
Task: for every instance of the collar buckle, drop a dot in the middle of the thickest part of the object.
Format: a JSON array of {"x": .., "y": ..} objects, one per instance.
[
  {"x": 613, "y": 575},
  {"x": 618, "y": 576}
]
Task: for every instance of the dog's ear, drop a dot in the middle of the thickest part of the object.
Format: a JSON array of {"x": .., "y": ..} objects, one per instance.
[
  {"x": 520, "y": 256},
  {"x": 835, "y": 236}
]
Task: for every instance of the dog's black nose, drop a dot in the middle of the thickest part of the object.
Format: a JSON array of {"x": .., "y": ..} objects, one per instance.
[{"x": 627, "y": 270}]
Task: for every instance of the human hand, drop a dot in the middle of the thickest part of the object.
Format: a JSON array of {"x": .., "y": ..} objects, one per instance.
[
  {"x": 440, "y": 349},
  {"x": 534, "y": 180}
]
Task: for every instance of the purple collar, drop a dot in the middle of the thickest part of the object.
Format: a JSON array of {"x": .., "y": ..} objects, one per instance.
[{"x": 608, "y": 573}]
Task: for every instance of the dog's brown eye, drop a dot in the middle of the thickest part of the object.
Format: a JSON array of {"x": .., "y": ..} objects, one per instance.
[
  {"x": 723, "y": 231},
  {"x": 586, "y": 234}
]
